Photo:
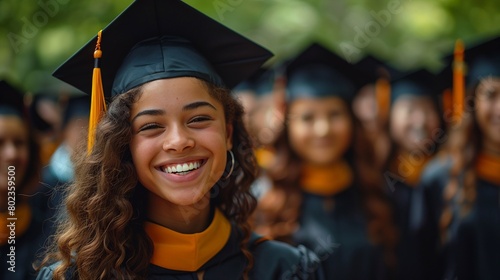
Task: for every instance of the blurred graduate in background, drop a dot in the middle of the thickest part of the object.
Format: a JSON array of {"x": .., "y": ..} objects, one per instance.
[
  {"x": 263, "y": 98},
  {"x": 19, "y": 165},
  {"x": 416, "y": 132},
  {"x": 60, "y": 170},
  {"x": 319, "y": 197},
  {"x": 462, "y": 186},
  {"x": 371, "y": 106},
  {"x": 45, "y": 112}
]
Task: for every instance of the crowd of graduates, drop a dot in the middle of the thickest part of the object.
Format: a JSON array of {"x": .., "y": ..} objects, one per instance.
[{"x": 370, "y": 171}]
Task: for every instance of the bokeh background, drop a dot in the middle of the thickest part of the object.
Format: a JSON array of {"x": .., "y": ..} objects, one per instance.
[{"x": 38, "y": 35}]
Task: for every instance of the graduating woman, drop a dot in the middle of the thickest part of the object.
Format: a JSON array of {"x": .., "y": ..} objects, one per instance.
[
  {"x": 415, "y": 129},
  {"x": 23, "y": 222},
  {"x": 164, "y": 191},
  {"x": 319, "y": 197},
  {"x": 462, "y": 187}
]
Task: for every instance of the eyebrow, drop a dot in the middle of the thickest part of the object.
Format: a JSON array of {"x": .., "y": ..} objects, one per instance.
[
  {"x": 158, "y": 112},
  {"x": 194, "y": 105},
  {"x": 151, "y": 112}
]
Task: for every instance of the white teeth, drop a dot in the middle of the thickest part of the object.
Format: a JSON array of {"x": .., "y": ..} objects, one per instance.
[{"x": 182, "y": 167}]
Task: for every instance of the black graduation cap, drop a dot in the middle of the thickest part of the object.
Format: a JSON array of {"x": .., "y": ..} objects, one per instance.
[
  {"x": 483, "y": 60},
  {"x": 156, "y": 39},
  {"x": 260, "y": 83},
  {"x": 373, "y": 68},
  {"x": 78, "y": 106},
  {"x": 318, "y": 72},
  {"x": 11, "y": 100},
  {"x": 419, "y": 83}
]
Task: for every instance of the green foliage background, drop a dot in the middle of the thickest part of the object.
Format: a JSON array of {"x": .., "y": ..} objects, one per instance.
[{"x": 38, "y": 35}]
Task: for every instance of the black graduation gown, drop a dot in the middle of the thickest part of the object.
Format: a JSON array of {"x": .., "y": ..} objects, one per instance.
[
  {"x": 414, "y": 255},
  {"x": 29, "y": 245},
  {"x": 335, "y": 229},
  {"x": 472, "y": 248},
  {"x": 478, "y": 236},
  {"x": 441, "y": 256},
  {"x": 272, "y": 260}
]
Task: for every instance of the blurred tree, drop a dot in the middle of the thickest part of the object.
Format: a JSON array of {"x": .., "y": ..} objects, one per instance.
[{"x": 39, "y": 35}]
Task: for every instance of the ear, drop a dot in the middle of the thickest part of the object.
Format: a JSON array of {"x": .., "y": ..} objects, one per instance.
[{"x": 229, "y": 136}]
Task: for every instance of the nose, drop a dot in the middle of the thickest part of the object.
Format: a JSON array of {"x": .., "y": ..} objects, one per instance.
[
  {"x": 178, "y": 139},
  {"x": 419, "y": 118},
  {"x": 321, "y": 127}
]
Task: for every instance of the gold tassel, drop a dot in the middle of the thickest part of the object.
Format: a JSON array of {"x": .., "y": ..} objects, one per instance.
[
  {"x": 447, "y": 100},
  {"x": 383, "y": 97},
  {"x": 458, "y": 80},
  {"x": 98, "y": 104}
]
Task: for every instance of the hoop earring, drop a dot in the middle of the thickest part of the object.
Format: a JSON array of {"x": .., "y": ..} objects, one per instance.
[{"x": 232, "y": 165}]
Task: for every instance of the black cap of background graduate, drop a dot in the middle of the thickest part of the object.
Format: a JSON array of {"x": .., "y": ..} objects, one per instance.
[
  {"x": 260, "y": 83},
  {"x": 318, "y": 72},
  {"x": 483, "y": 60},
  {"x": 11, "y": 101},
  {"x": 77, "y": 107},
  {"x": 158, "y": 39},
  {"x": 373, "y": 68},
  {"x": 420, "y": 83}
]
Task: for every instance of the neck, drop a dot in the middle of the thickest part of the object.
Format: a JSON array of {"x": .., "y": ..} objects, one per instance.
[{"x": 180, "y": 218}]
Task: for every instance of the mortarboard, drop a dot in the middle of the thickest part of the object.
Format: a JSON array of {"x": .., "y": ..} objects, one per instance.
[
  {"x": 76, "y": 107},
  {"x": 260, "y": 83},
  {"x": 11, "y": 100},
  {"x": 155, "y": 39},
  {"x": 373, "y": 69},
  {"x": 420, "y": 83},
  {"x": 482, "y": 60},
  {"x": 318, "y": 72},
  {"x": 158, "y": 39}
]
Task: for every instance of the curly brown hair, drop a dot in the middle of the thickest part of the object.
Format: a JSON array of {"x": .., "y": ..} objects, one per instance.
[{"x": 103, "y": 236}]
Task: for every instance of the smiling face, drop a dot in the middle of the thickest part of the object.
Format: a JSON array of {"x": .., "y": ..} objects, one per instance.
[
  {"x": 413, "y": 122},
  {"x": 320, "y": 130},
  {"x": 179, "y": 140},
  {"x": 487, "y": 112}
]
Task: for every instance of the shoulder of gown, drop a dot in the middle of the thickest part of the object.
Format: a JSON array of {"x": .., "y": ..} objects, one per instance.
[{"x": 278, "y": 260}]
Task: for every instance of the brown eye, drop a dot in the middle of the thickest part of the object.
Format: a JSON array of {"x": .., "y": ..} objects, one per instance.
[
  {"x": 198, "y": 119},
  {"x": 149, "y": 126}
]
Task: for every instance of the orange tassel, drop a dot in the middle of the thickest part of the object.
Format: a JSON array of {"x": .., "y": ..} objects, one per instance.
[
  {"x": 98, "y": 104},
  {"x": 383, "y": 96},
  {"x": 447, "y": 99},
  {"x": 458, "y": 80}
]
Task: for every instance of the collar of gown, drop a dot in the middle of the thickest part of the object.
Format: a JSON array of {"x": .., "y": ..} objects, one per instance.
[
  {"x": 188, "y": 252},
  {"x": 326, "y": 180},
  {"x": 488, "y": 168}
]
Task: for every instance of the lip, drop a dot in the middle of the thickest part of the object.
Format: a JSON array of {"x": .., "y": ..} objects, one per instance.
[{"x": 191, "y": 176}]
